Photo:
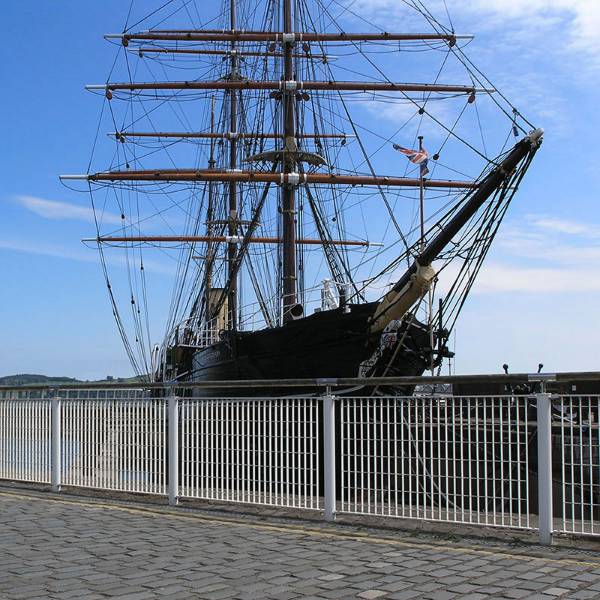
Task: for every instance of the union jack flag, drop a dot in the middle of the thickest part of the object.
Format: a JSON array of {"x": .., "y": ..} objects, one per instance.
[{"x": 418, "y": 157}]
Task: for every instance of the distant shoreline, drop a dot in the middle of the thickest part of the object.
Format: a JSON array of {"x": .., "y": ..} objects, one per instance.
[{"x": 33, "y": 379}]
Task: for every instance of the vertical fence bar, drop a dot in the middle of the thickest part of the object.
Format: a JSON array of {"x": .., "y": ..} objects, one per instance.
[
  {"x": 329, "y": 455},
  {"x": 55, "y": 443},
  {"x": 173, "y": 441},
  {"x": 544, "y": 448}
]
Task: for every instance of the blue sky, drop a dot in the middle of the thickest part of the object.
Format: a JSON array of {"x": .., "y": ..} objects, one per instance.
[{"x": 536, "y": 301}]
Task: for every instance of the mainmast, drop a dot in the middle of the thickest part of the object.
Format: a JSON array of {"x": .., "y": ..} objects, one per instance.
[
  {"x": 232, "y": 220},
  {"x": 288, "y": 208}
]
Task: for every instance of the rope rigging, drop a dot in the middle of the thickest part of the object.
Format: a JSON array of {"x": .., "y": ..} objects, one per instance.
[{"x": 336, "y": 132}]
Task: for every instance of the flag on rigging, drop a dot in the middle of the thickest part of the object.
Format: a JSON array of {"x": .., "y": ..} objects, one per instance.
[{"x": 418, "y": 157}]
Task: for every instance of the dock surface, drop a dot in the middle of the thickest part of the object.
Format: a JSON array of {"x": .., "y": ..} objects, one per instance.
[{"x": 64, "y": 546}]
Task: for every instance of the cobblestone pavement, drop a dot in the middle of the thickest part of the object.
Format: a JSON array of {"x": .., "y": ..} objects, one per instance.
[{"x": 66, "y": 547}]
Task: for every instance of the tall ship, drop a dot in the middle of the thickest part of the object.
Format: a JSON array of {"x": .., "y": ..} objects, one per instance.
[{"x": 292, "y": 191}]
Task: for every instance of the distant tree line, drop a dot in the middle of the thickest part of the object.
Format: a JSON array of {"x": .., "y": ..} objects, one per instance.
[{"x": 28, "y": 379}]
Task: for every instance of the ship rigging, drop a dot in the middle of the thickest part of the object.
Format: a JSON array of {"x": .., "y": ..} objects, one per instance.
[{"x": 262, "y": 140}]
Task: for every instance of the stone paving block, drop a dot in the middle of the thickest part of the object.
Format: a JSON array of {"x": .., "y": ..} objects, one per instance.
[
  {"x": 591, "y": 577},
  {"x": 516, "y": 593},
  {"x": 137, "y": 596},
  {"x": 219, "y": 595},
  {"x": 530, "y": 575},
  {"x": 281, "y": 579},
  {"x": 335, "y": 585},
  {"x": 488, "y": 590},
  {"x": 427, "y": 587},
  {"x": 336, "y": 594},
  {"x": 331, "y": 577},
  {"x": 396, "y": 586},
  {"x": 372, "y": 594},
  {"x": 404, "y": 595},
  {"x": 556, "y": 591},
  {"x": 534, "y": 586},
  {"x": 282, "y": 596},
  {"x": 440, "y": 595},
  {"x": 438, "y": 573},
  {"x": 583, "y": 595}
]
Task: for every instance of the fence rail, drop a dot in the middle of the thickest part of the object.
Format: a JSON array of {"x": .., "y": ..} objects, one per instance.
[
  {"x": 114, "y": 444},
  {"x": 529, "y": 462},
  {"x": 25, "y": 440},
  {"x": 577, "y": 439},
  {"x": 257, "y": 451},
  {"x": 462, "y": 460}
]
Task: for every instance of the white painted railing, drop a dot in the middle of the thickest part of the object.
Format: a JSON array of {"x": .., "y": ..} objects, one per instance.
[
  {"x": 114, "y": 445},
  {"x": 576, "y": 435},
  {"x": 258, "y": 451},
  {"x": 493, "y": 461},
  {"x": 25, "y": 440},
  {"x": 462, "y": 460}
]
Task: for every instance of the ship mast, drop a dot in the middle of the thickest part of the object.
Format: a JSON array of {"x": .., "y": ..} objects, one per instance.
[
  {"x": 233, "y": 199},
  {"x": 288, "y": 208}
]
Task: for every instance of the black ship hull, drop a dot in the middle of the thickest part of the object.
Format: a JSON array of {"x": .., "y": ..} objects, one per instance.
[{"x": 329, "y": 344}]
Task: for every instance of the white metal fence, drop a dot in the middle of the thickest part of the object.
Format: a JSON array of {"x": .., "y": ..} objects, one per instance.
[
  {"x": 527, "y": 462},
  {"x": 114, "y": 444},
  {"x": 576, "y": 436},
  {"x": 259, "y": 451},
  {"x": 463, "y": 460},
  {"x": 25, "y": 440}
]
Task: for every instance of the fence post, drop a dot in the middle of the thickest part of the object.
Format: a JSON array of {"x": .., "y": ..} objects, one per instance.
[
  {"x": 173, "y": 450},
  {"x": 329, "y": 455},
  {"x": 544, "y": 450},
  {"x": 55, "y": 443}
]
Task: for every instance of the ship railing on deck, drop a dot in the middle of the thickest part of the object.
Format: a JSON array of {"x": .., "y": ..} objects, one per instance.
[{"x": 527, "y": 462}]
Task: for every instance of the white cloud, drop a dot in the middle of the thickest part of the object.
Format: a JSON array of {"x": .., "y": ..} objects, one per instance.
[
  {"x": 501, "y": 278},
  {"x": 45, "y": 249},
  {"x": 546, "y": 256},
  {"x": 51, "y": 209},
  {"x": 552, "y": 240},
  {"x": 577, "y": 22},
  {"x": 550, "y": 255},
  {"x": 578, "y": 19},
  {"x": 564, "y": 226},
  {"x": 55, "y": 251}
]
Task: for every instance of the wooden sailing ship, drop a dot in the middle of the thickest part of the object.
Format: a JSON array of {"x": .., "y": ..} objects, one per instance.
[{"x": 277, "y": 172}]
